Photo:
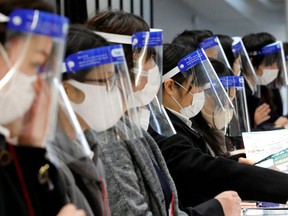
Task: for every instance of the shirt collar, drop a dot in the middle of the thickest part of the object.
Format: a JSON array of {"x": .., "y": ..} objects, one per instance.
[
  {"x": 183, "y": 118},
  {"x": 5, "y": 132}
]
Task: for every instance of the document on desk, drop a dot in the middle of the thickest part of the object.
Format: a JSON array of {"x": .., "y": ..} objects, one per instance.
[{"x": 261, "y": 144}]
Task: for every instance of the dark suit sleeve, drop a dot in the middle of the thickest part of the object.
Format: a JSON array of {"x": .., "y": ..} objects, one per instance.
[
  {"x": 200, "y": 177},
  {"x": 211, "y": 207}
]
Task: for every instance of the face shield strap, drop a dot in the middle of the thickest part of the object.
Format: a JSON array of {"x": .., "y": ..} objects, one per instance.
[
  {"x": 170, "y": 74},
  {"x": 119, "y": 38},
  {"x": 93, "y": 58},
  {"x": 115, "y": 38},
  {"x": 3, "y": 18}
]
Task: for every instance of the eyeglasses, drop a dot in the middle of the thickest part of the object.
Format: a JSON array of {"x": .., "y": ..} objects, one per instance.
[{"x": 110, "y": 82}]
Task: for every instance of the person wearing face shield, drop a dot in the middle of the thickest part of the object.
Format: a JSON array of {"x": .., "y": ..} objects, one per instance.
[
  {"x": 271, "y": 74},
  {"x": 241, "y": 65},
  {"x": 137, "y": 177},
  {"x": 75, "y": 157},
  {"x": 191, "y": 165},
  {"x": 29, "y": 182}
]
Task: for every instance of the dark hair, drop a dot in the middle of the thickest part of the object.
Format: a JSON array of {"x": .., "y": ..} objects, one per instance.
[
  {"x": 80, "y": 38},
  {"x": 119, "y": 22},
  {"x": 226, "y": 43},
  {"x": 7, "y": 6},
  {"x": 285, "y": 48},
  {"x": 254, "y": 42},
  {"x": 172, "y": 54},
  {"x": 199, "y": 123},
  {"x": 192, "y": 37}
]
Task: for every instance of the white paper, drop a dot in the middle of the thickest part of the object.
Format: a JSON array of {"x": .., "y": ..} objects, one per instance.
[{"x": 259, "y": 145}]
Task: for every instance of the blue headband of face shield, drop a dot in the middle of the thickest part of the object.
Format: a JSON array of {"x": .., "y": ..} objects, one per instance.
[
  {"x": 36, "y": 22},
  {"x": 93, "y": 58},
  {"x": 269, "y": 49},
  {"x": 186, "y": 63}
]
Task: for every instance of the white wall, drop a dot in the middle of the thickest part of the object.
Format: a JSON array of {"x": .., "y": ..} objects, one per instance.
[{"x": 175, "y": 16}]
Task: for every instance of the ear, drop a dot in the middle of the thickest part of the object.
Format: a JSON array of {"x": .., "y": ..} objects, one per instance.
[
  {"x": 169, "y": 86},
  {"x": 74, "y": 94}
]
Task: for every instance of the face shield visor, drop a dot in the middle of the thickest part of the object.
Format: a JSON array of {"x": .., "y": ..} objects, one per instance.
[
  {"x": 101, "y": 92},
  {"x": 70, "y": 143},
  {"x": 213, "y": 49},
  {"x": 32, "y": 53},
  {"x": 272, "y": 70},
  {"x": 239, "y": 123},
  {"x": 201, "y": 79},
  {"x": 146, "y": 78},
  {"x": 243, "y": 64}
]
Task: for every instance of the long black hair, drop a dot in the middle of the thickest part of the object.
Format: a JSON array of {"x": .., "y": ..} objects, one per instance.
[{"x": 213, "y": 137}]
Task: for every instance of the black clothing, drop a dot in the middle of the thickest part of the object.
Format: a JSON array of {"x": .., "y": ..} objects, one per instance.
[
  {"x": 27, "y": 177},
  {"x": 199, "y": 176}
]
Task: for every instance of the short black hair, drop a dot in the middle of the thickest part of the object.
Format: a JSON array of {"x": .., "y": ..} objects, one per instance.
[
  {"x": 254, "y": 43},
  {"x": 192, "y": 37}
]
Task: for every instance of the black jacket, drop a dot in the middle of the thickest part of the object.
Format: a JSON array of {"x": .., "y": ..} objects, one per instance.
[
  {"x": 200, "y": 177},
  {"x": 253, "y": 102},
  {"x": 24, "y": 170}
]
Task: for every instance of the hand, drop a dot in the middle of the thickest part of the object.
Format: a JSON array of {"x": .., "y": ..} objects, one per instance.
[
  {"x": 281, "y": 122},
  {"x": 230, "y": 202},
  {"x": 246, "y": 161},
  {"x": 37, "y": 118},
  {"x": 71, "y": 210},
  {"x": 262, "y": 114}
]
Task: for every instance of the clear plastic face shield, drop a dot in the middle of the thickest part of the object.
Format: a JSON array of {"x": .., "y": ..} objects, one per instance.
[
  {"x": 239, "y": 123},
  {"x": 201, "y": 80},
  {"x": 146, "y": 78},
  {"x": 30, "y": 61},
  {"x": 272, "y": 70},
  {"x": 70, "y": 143},
  {"x": 243, "y": 64},
  {"x": 100, "y": 93},
  {"x": 213, "y": 49}
]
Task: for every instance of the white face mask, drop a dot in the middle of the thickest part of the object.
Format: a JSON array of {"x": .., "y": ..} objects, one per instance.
[
  {"x": 144, "y": 114},
  {"x": 220, "y": 119},
  {"x": 196, "y": 105},
  {"x": 100, "y": 109},
  {"x": 147, "y": 94},
  {"x": 267, "y": 77},
  {"x": 17, "y": 99}
]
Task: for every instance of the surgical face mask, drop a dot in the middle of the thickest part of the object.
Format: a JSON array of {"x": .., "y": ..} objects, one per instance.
[
  {"x": 267, "y": 77},
  {"x": 100, "y": 109},
  {"x": 196, "y": 105},
  {"x": 144, "y": 114},
  {"x": 17, "y": 98},
  {"x": 220, "y": 118},
  {"x": 150, "y": 90}
]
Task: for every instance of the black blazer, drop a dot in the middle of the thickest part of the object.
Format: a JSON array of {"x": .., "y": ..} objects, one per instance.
[
  {"x": 200, "y": 177},
  {"x": 47, "y": 197}
]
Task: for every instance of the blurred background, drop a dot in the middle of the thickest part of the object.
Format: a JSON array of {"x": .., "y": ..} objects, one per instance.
[{"x": 232, "y": 17}]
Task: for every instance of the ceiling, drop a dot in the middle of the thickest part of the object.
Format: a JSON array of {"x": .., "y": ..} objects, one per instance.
[{"x": 241, "y": 14}]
